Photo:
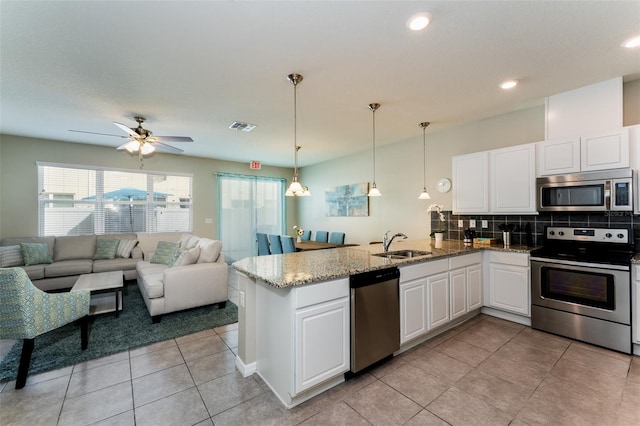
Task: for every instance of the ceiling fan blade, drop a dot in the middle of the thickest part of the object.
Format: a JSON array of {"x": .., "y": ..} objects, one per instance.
[
  {"x": 171, "y": 138},
  {"x": 95, "y": 133},
  {"x": 126, "y": 129},
  {"x": 168, "y": 148}
]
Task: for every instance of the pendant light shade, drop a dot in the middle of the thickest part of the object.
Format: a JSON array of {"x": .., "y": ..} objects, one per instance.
[
  {"x": 374, "y": 191},
  {"x": 424, "y": 195},
  {"x": 296, "y": 189}
]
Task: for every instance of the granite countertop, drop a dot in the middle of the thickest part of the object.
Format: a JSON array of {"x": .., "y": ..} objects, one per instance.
[{"x": 293, "y": 269}]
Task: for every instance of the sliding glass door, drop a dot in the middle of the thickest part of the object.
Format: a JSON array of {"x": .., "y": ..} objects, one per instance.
[{"x": 247, "y": 205}]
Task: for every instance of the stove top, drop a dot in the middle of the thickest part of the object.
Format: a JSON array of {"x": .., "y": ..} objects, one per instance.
[{"x": 593, "y": 245}]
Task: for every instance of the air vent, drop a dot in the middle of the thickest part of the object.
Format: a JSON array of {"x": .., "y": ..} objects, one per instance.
[{"x": 245, "y": 127}]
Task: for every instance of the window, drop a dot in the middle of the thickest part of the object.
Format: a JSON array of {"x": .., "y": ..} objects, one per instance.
[
  {"x": 80, "y": 200},
  {"x": 246, "y": 205}
]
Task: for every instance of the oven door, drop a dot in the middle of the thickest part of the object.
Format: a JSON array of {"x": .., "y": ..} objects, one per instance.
[{"x": 594, "y": 290}]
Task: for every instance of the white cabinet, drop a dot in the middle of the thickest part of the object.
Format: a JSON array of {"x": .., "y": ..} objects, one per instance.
[
  {"x": 321, "y": 342},
  {"x": 438, "y": 300},
  {"x": 586, "y": 153},
  {"x": 509, "y": 283},
  {"x": 497, "y": 181},
  {"x": 635, "y": 305},
  {"x": 423, "y": 304},
  {"x": 470, "y": 174},
  {"x": 465, "y": 281},
  {"x": 513, "y": 179},
  {"x": 302, "y": 337}
]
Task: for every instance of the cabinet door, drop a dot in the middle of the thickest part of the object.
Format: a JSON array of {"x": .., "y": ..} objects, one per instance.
[
  {"x": 513, "y": 179},
  {"x": 458, "y": 286},
  {"x": 438, "y": 300},
  {"x": 322, "y": 344},
  {"x": 605, "y": 150},
  {"x": 509, "y": 288},
  {"x": 558, "y": 157},
  {"x": 635, "y": 305},
  {"x": 413, "y": 309},
  {"x": 474, "y": 287},
  {"x": 471, "y": 183}
]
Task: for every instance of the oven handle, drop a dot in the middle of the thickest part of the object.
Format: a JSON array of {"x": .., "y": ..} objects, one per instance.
[{"x": 583, "y": 264}]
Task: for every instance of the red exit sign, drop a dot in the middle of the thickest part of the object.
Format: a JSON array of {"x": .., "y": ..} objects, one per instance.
[{"x": 255, "y": 165}]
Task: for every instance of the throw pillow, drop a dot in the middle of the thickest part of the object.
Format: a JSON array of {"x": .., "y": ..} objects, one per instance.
[
  {"x": 166, "y": 252},
  {"x": 11, "y": 256},
  {"x": 209, "y": 250},
  {"x": 188, "y": 241},
  {"x": 187, "y": 257},
  {"x": 125, "y": 247},
  {"x": 35, "y": 253},
  {"x": 106, "y": 249}
]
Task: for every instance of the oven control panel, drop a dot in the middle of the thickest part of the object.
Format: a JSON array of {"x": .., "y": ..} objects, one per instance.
[{"x": 608, "y": 235}]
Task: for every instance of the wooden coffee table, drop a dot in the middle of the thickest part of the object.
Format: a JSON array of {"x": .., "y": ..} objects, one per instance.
[{"x": 103, "y": 287}]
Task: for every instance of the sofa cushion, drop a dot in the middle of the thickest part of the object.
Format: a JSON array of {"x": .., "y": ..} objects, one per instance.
[
  {"x": 68, "y": 267},
  {"x": 125, "y": 247},
  {"x": 35, "y": 272},
  {"x": 150, "y": 276},
  {"x": 74, "y": 247},
  {"x": 188, "y": 241},
  {"x": 11, "y": 256},
  {"x": 13, "y": 241},
  {"x": 106, "y": 249},
  {"x": 35, "y": 253},
  {"x": 209, "y": 250},
  {"x": 117, "y": 264},
  {"x": 166, "y": 253},
  {"x": 187, "y": 257}
]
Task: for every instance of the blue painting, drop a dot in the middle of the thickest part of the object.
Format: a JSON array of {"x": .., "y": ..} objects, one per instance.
[{"x": 347, "y": 200}]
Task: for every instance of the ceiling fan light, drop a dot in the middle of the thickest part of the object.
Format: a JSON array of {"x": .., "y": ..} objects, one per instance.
[
  {"x": 132, "y": 146},
  {"x": 306, "y": 192},
  {"x": 146, "y": 149}
]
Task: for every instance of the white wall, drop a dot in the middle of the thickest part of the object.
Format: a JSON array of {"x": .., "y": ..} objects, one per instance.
[{"x": 399, "y": 176}]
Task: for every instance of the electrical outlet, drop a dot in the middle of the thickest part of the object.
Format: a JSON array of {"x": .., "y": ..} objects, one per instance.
[
  {"x": 460, "y": 223},
  {"x": 241, "y": 297},
  {"x": 485, "y": 224},
  {"x": 472, "y": 223}
]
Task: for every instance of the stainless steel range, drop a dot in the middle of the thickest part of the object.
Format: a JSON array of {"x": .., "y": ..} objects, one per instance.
[{"x": 581, "y": 285}]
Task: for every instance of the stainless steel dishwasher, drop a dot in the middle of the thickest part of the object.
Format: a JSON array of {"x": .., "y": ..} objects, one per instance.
[{"x": 375, "y": 317}]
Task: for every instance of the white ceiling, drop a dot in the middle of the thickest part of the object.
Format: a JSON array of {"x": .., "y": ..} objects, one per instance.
[{"x": 192, "y": 68}]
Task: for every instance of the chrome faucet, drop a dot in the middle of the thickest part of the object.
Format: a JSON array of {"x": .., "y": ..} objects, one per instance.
[{"x": 386, "y": 241}]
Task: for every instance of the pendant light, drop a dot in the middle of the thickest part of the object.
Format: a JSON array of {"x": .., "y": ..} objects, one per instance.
[
  {"x": 296, "y": 189},
  {"x": 425, "y": 195},
  {"x": 374, "y": 191}
]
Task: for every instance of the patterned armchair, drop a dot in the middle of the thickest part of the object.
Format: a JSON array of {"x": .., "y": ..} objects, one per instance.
[{"x": 27, "y": 312}]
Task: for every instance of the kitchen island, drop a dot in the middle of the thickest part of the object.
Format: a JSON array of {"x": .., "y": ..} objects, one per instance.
[{"x": 294, "y": 309}]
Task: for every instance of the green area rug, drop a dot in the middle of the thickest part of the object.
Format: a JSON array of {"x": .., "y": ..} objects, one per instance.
[{"x": 108, "y": 334}]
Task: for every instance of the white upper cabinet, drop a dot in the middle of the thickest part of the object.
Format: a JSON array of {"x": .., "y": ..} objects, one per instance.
[
  {"x": 558, "y": 157},
  {"x": 513, "y": 179},
  {"x": 471, "y": 183},
  {"x": 497, "y": 181},
  {"x": 598, "y": 151}
]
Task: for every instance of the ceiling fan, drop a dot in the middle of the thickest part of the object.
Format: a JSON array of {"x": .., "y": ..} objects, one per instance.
[{"x": 141, "y": 141}]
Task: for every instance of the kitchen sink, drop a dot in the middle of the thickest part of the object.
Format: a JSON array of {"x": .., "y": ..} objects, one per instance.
[{"x": 402, "y": 254}]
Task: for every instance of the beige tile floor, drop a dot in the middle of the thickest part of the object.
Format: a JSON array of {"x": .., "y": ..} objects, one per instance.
[{"x": 484, "y": 372}]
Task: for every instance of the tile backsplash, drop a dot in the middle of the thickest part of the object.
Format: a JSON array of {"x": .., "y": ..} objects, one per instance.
[{"x": 537, "y": 223}]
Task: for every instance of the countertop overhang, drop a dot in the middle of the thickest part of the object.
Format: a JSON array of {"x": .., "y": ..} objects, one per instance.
[{"x": 294, "y": 269}]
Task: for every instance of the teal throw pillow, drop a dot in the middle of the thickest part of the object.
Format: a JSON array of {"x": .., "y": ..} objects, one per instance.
[
  {"x": 106, "y": 249},
  {"x": 166, "y": 252},
  {"x": 35, "y": 253}
]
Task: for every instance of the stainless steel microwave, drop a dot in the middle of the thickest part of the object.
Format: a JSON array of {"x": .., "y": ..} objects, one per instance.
[{"x": 610, "y": 190}]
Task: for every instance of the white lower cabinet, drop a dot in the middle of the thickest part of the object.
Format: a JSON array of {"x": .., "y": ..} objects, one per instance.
[
  {"x": 635, "y": 305},
  {"x": 509, "y": 283},
  {"x": 434, "y": 293},
  {"x": 322, "y": 342}
]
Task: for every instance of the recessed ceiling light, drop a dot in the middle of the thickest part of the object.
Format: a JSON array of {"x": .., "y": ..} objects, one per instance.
[
  {"x": 631, "y": 42},
  {"x": 509, "y": 84},
  {"x": 419, "y": 22}
]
